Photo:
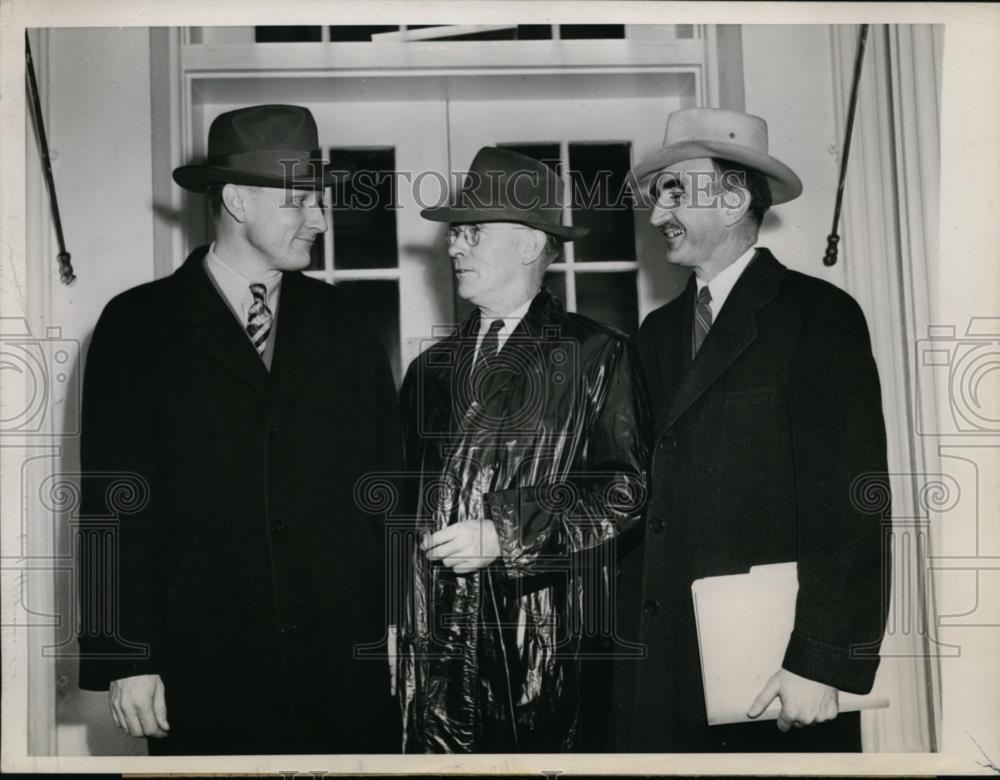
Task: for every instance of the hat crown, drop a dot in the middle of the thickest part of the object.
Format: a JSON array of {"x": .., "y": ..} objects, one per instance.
[
  {"x": 717, "y": 125},
  {"x": 271, "y": 145},
  {"x": 718, "y": 133},
  {"x": 504, "y": 177},
  {"x": 267, "y": 128},
  {"x": 506, "y": 186}
]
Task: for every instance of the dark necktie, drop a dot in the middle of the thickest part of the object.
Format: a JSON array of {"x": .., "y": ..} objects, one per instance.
[
  {"x": 487, "y": 351},
  {"x": 702, "y": 319},
  {"x": 259, "y": 318}
]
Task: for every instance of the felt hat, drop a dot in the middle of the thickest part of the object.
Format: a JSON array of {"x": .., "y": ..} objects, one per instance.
[
  {"x": 728, "y": 135},
  {"x": 505, "y": 186},
  {"x": 265, "y": 146}
]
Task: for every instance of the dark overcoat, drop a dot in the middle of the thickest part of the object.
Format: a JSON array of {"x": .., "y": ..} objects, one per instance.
[
  {"x": 769, "y": 447},
  {"x": 550, "y": 447},
  {"x": 243, "y": 569}
]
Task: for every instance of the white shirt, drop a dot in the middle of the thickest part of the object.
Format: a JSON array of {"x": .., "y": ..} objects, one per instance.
[
  {"x": 723, "y": 284},
  {"x": 234, "y": 288},
  {"x": 510, "y": 322}
]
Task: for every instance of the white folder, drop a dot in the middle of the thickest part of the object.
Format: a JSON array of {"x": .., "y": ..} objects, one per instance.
[{"x": 744, "y": 622}]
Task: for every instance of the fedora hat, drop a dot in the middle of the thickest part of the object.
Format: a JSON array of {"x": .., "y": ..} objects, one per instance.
[
  {"x": 504, "y": 186},
  {"x": 266, "y": 146},
  {"x": 723, "y": 134}
]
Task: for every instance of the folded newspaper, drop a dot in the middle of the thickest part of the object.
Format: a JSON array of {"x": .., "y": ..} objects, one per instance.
[{"x": 744, "y": 622}]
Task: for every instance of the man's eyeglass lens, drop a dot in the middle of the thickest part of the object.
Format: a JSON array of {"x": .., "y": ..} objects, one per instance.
[{"x": 469, "y": 232}]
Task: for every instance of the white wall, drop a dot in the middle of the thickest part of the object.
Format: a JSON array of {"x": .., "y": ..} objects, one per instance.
[
  {"x": 966, "y": 284},
  {"x": 95, "y": 88},
  {"x": 786, "y": 70}
]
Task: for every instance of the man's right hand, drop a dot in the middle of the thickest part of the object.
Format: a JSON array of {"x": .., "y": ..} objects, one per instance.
[{"x": 139, "y": 705}]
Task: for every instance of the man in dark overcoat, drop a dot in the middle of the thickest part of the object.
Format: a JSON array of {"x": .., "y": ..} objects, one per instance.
[
  {"x": 768, "y": 431},
  {"x": 236, "y": 603}
]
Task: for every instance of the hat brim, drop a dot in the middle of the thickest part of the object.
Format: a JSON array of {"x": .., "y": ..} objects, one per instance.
[
  {"x": 785, "y": 185},
  {"x": 457, "y": 215},
  {"x": 196, "y": 178}
]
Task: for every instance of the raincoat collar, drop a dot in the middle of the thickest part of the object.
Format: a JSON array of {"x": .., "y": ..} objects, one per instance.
[{"x": 545, "y": 309}]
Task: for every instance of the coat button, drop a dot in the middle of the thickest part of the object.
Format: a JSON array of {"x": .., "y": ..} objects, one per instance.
[
  {"x": 278, "y": 528},
  {"x": 651, "y": 607},
  {"x": 655, "y": 525},
  {"x": 288, "y": 629}
]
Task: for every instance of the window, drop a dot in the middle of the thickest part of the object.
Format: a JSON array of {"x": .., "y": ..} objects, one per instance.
[
  {"x": 350, "y": 33},
  {"x": 597, "y": 274},
  {"x": 360, "y": 249}
]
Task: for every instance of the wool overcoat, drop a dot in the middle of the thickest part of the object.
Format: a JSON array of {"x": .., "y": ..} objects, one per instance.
[
  {"x": 224, "y": 547},
  {"x": 770, "y": 447}
]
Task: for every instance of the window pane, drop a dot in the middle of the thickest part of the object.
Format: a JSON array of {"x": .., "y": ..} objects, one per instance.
[
  {"x": 363, "y": 220},
  {"x": 381, "y": 296},
  {"x": 358, "y": 32},
  {"x": 297, "y": 34},
  {"x": 510, "y": 34},
  {"x": 610, "y": 298},
  {"x": 571, "y": 31},
  {"x": 601, "y": 202},
  {"x": 316, "y": 254},
  {"x": 556, "y": 282},
  {"x": 534, "y": 32}
]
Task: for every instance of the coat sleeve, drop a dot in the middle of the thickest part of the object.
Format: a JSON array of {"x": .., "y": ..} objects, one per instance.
[
  {"x": 121, "y": 602},
  {"x": 539, "y": 526},
  {"x": 842, "y": 494}
]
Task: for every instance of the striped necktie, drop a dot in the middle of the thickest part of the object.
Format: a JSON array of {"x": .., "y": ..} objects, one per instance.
[
  {"x": 259, "y": 318},
  {"x": 702, "y": 319}
]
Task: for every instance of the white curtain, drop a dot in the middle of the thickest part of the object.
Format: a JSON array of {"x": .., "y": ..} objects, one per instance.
[{"x": 889, "y": 244}]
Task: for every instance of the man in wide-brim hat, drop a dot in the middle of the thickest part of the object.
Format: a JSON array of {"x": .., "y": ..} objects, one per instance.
[
  {"x": 245, "y": 400},
  {"x": 765, "y": 411},
  {"x": 525, "y": 433}
]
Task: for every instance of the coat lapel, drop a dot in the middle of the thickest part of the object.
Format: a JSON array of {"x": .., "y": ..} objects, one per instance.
[
  {"x": 732, "y": 332},
  {"x": 303, "y": 328},
  {"x": 213, "y": 328},
  {"x": 521, "y": 354},
  {"x": 452, "y": 377},
  {"x": 673, "y": 358}
]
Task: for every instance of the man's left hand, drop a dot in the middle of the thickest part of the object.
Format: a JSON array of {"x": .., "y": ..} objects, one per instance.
[
  {"x": 464, "y": 547},
  {"x": 803, "y": 702}
]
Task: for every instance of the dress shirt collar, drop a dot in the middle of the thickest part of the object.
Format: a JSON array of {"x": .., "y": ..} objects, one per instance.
[
  {"x": 723, "y": 284},
  {"x": 510, "y": 322},
  {"x": 235, "y": 287}
]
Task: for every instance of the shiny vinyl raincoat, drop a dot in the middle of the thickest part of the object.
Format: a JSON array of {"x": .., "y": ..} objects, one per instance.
[{"x": 549, "y": 446}]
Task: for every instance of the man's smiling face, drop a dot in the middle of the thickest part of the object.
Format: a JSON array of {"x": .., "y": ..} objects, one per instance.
[{"x": 689, "y": 211}]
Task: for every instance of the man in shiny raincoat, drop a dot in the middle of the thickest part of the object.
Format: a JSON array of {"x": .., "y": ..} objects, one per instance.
[{"x": 524, "y": 442}]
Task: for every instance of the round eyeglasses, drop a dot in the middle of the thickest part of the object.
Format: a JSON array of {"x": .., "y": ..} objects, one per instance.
[{"x": 469, "y": 232}]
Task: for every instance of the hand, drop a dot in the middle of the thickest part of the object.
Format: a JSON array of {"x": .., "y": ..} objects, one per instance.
[
  {"x": 803, "y": 702},
  {"x": 463, "y": 547},
  {"x": 393, "y": 631},
  {"x": 139, "y": 705}
]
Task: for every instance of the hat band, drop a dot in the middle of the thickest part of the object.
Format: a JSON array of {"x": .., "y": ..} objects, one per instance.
[{"x": 292, "y": 164}]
